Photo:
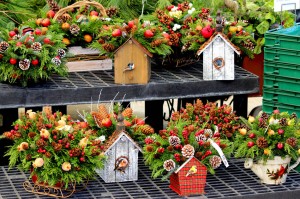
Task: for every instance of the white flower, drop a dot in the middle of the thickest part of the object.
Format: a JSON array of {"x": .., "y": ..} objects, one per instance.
[
  {"x": 190, "y": 5},
  {"x": 44, "y": 133},
  {"x": 146, "y": 23},
  {"x": 101, "y": 138},
  {"x": 39, "y": 162},
  {"x": 68, "y": 128},
  {"x": 191, "y": 11},
  {"x": 31, "y": 114},
  {"x": 175, "y": 8},
  {"x": 107, "y": 19},
  {"x": 66, "y": 166},
  {"x": 83, "y": 142}
]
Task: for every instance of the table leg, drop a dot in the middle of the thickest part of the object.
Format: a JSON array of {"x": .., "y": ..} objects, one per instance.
[
  {"x": 154, "y": 114},
  {"x": 240, "y": 105}
]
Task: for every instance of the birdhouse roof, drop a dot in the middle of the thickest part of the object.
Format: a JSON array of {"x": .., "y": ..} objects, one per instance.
[
  {"x": 137, "y": 44},
  {"x": 115, "y": 137},
  {"x": 187, "y": 161},
  {"x": 213, "y": 38}
]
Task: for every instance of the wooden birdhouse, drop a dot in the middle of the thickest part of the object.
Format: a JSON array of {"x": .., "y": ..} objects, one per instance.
[
  {"x": 132, "y": 63},
  {"x": 190, "y": 178},
  {"x": 218, "y": 57},
  {"x": 122, "y": 156}
]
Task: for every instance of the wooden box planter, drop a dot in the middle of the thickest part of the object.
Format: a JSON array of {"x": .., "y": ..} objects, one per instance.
[
  {"x": 122, "y": 159},
  {"x": 86, "y": 59},
  {"x": 186, "y": 184},
  {"x": 218, "y": 58},
  {"x": 132, "y": 63}
]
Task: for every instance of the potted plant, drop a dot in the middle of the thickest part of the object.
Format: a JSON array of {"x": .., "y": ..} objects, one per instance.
[
  {"x": 56, "y": 150},
  {"x": 187, "y": 148},
  {"x": 269, "y": 142}
]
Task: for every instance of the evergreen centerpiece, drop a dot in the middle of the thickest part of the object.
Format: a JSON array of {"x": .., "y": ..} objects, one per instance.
[
  {"x": 28, "y": 55},
  {"x": 54, "y": 148},
  {"x": 267, "y": 139}
]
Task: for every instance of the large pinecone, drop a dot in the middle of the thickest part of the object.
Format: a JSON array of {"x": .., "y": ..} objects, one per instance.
[
  {"x": 53, "y": 5},
  {"x": 262, "y": 142},
  {"x": 292, "y": 141},
  {"x": 97, "y": 118},
  {"x": 166, "y": 19},
  {"x": 283, "y": 122},
  {"x": 169, "y": 165},
  {"x": 127, "y": 112},
  {"x": 24, "y": 64},
  {"x": 187, "y": 151},
  {"x": 174, "y": 39},
  {"x": 36, "y": 46},
  {"x": 103, "y": 111},
  {"x": 112, "y": 11},
  {"x": 174, "y": 140},
  {"x": 41, "y": 143},
  {"x": 74, "y": 29},
  {"x": 215, "y": 161},
  {"x": 147, "y": 129},
  {"x": 3, "y": 46}
]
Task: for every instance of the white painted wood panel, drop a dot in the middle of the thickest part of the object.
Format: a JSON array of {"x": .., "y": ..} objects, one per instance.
[
  {"x": 121, "y": 149},
  {"x": 218, "y": 51},
  {"x": 207, "y": 64},
  {"x": 229, "y": 63},
  {"x": 133, "y": 158}
]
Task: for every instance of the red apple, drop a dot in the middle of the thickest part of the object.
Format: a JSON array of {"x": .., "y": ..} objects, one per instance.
[
  {"x": 250, "y": 144},
  {"x": 139, "y": 121},
  {"x": 12, "y": 61},
  {"x": 207, "y": 32},
  {"x": 12, "y": 33},
  {"x": 280, "y": 131},
  {"x": 19, "y": 44},
  {"x": 84, "y": 124},
  {"x": 117, "y": 33},
  {"x": 279, "y": 145},
  {"x": 50, "y": 14},
  {"x": 276, "y": 111},
  {"x": 35, "y": 62},
  {"x": 106, "y": 122},
  {"x": 127, "y": 123},
  {"x": 47, "y": 40},
  {"x": 94, "y": 13},
  {"x": 166, "y": 35},
  {"x": 46, "y": 22},
  {"x": 148, "y": 34},
  {"x": 130, "y": 24},
  {"x": 37, "y": 31},
  {"x": 251, "y": 135}
]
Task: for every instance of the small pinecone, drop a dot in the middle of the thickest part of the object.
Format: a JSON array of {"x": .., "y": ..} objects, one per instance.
[
  {"x": 103, "y": 111},
  {"x": 149, "y": 148},
  {"x": 61, "y": 53},
  {"x": 147, "y": 129},
  {"x": 293, "y": 115},
  {"x": 97, "y": 118},
  {"x": 187, "y": 151},
  {"x": 31, "y": 134},
  {"x": 174, "y": 140},
  {"x": 185, "y": 6},
  {"x": 36, "y": 46},
  {"x": 108, "y": 47},
  {"x": 95, "y": 151},
  {"x": 169, "y": 165},
  {"x": 28, "y": 157},
  {"x": 208, "y": 133},
  {"x": 174, "y": 39},
  {"x": 244, "y": 126},
  {"x": 170, "y": 148},
  {"x": 262, "y": 124},
  {"x": 74, "y": 29},
  {"x": 66, "y": 17},
  {"x": 76, "y": 152},
  {"x": 262, "y": 142},
  {"x": 199, "y": 154},
  {"x": 248, "y": 44},
  {"x": 292, "y": 141},
  {"x": 201, "y": 137},
  {"x": 40, "y": 143},
  {"x": 166, "y": 19},
  {"x": 264, "y": 116},
  {"x": 159, "y": 13},
  {"x": 156, "y": 43},
  {"x": 24, "y": 64},
  {"x": 188, "y": 20},
  {"x": 96, "y": 142},
  {"x": 198, "y": 106},
  {"x": 56, "y": 61},
  {"x": 48, "y": 154},
  {"x": 127, "y": 112},
  {"x": 112, "y": 11},
  {"x": 64, "y": 141},
  {"x": 3, "y": 46},
  {"x": 215, "y": 161},
  {"x": 53, "y": 5},
  {"x": 283, "y": 122},
  {"x": 57, "y": 147}
]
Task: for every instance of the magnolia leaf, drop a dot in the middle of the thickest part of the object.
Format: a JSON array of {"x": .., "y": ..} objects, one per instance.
[
  {"x": 259, "y": 44},
  {"x": 271, "y": 17},
  {"x": 263, "y": 27},
  {"x": 289, "y": 22},
  {"x": 249, "y": 28},
  {"x": 252, "y": 6}
]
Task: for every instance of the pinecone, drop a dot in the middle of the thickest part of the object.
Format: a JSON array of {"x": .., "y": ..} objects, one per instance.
[
  {"x": 262, "y": 142},
  {"x": 95, "y": 151},
  {"x": 169, "y": 165},
  {"x": 56, "y": 61},
  {"x": 149, "y": 148},
  {"x": 166, "y": 19},
  {"x": 36, "y": 46},
  {"x": 187, "y": 151},
  {"x": 160, "y": 13},
  {"x": 53, "y": 5},
  {"x": 24, "y": 64},
  {"x": 293, "y": 115},
  {"x": 97, "y": 117},
  {"x": 61, "y": 53},
  {"x": 201, "y": 137},
  {"x": 188, "y": 20},
  {"x": 3, "y": 46},
  {"x": 108, "y": 47},
  {"x": 48, "y": 154},
  {"x": 28, "y": 157},
  {"x": 244, "y": 126},
  {"x": 198, "y": 106},
  {"x": 156, "y": 43},
  {"x": 127, "y": 112},
  {"x": 112, "y": 11},
  {"x": 16, "y": 37},
  {"x": 64, "y": 141},
  {"x": 65, "y": 17},
  {"x": 262, "y": 124},
  {"x": 292, "y": 142},
  {"x": 96, "y": 142},
  {"x": 147, "y": 129},
  {"x": 215, "y": 161},
  {"x": 185, "y": 6},
  {"x": 264, "y": 116},
  {"x": 57, "y": 146},
  {"x": 76, "y": 152},
  {"x": 174, "y": 140},
  {"x": 283, "y": 122},
  {"x": 248, "y": 44},
  {"x": 174, "y": 39},
  {"x": 74, "y": 29},
  {"x": 208, "y": 133},
  {"x": 40, "y": 143}
]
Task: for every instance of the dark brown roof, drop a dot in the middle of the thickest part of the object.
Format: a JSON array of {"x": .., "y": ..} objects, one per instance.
[{"x": 138, "y": 44}]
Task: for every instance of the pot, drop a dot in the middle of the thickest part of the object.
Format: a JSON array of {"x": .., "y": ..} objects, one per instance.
[{"x": 272, "y": 171}]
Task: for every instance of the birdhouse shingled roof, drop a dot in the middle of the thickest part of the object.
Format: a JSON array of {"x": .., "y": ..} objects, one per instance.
[
  {"x": 115, "y": 137},
  {"x": 137, "y": 44},
  {"x": 187, "y": 161},
  {"x": 213, "y": 38}
]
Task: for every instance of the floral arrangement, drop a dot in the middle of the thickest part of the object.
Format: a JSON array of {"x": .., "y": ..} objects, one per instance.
[
  {"x": 28, "y": 55},
  {"x": 186, "y": 135},
  {"x": 54, "y": 148},
  {"x": 268, "y": 135}
]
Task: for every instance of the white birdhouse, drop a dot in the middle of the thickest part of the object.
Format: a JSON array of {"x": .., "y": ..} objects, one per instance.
[{"x": 218, "y": 58}]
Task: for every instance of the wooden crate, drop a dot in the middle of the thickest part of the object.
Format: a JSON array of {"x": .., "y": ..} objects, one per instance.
[{"x": 86, "y": 59}]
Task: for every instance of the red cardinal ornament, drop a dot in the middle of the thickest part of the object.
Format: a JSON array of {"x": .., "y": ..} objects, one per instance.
[{"x": 207, "y": 32}]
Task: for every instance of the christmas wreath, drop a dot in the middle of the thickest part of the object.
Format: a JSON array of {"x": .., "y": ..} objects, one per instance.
[
  {"x": 268, "y": 135},
  {"x": 187, "y": 135},
  {"x": 28, "y": 55},
  {"x": 54, "y": 148}
]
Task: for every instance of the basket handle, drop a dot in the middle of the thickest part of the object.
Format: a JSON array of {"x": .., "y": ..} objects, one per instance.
[{"x": 79, "y": 4}]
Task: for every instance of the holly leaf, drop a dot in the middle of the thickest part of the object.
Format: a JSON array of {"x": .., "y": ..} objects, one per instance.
[
  {"x": 270, "y": 17},
  {"x": 263, "y": 27}
]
